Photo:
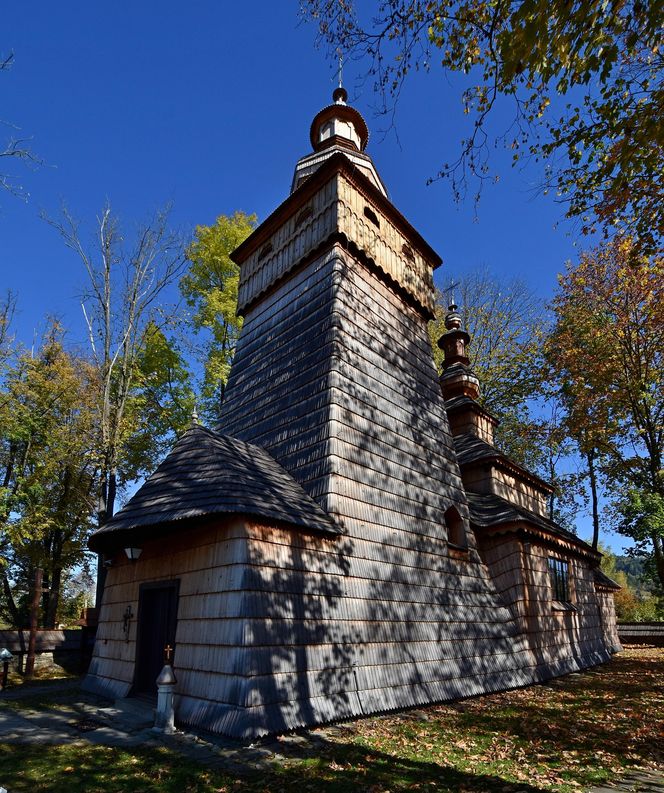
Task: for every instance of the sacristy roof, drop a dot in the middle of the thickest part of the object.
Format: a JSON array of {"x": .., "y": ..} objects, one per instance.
[
  {"x": 488, "y": 511},
  {"x": 205, "y": 475}
]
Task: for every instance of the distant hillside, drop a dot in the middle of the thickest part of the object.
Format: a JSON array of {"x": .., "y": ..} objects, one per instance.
[{"x": 634, "y": 569}]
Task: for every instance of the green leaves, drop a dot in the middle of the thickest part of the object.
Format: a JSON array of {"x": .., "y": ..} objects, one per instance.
[
  {"x": 160, "y": 404},
  {"x": 210, "y": 288},
  {"x": 47, "y": 468},
  {"x": 607, "y": 162}
]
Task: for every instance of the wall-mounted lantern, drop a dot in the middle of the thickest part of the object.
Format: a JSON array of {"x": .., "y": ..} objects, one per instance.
[{"x": 133, "y": 553}]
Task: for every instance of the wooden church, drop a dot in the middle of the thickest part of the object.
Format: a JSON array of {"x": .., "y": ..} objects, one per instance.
[{"x": 348, "y": 540}]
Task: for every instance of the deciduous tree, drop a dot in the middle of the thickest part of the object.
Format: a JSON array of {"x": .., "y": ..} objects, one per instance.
[
  {"x": 15, "y": 149},
  {"x": 123, "y": 300},
  {"x": 608, "y": 351},
  {"x": 584, "y": 76},
  {"x": 48, "y": 472},
  {"x": 210, "y": 288}
]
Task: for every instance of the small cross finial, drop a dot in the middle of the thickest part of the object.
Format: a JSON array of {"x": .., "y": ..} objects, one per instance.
[
  {"x": 340, "y": 72},
  {"x": 168, "y": 652}
]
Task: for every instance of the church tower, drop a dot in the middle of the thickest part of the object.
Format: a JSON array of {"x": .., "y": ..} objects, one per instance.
[
  {"x": 316, "y": 557},
  {"x": 334, "y": 377}
]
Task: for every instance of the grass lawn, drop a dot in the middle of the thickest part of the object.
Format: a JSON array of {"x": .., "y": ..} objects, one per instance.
[{"x": 566, "y": 736}]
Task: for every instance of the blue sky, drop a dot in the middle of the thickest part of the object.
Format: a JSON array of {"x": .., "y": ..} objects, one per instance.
[{"x": 207, "y": 105}]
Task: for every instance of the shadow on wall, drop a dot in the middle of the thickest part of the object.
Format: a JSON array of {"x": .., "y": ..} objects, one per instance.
[
  {"x": 382, "y": 617},
  {"x": 304, "y": 655}
]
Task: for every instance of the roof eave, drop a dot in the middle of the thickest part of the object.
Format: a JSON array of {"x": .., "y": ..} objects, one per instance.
[
  {"x": 112, "y": 540},
  {"x": 523, "y": 527}
]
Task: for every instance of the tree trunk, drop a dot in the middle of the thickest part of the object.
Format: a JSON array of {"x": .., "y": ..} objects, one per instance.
[
  {"x": 658, "y": 548},
  {"x": 52, "y": 598},
  {"x": 11, "y": 605},
  {"x": 109, "y": 493},
  {"x": 46, "y": 590},
  {"x": 592, "y": 473},
  {"x": 34, "y": 621}
]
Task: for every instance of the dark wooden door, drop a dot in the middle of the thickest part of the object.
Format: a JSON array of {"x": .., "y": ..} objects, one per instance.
[{"x": 157, "y": 618}]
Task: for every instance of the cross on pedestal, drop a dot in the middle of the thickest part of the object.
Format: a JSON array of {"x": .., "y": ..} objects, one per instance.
[{"x": 168, "y": 652}]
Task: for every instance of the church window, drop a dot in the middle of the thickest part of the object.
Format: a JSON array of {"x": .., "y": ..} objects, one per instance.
[
  {"x": 408, "y": 252},
  {"x": 371, "y": 215},
  {"x": 456, "y": 534},
  {"x": 559, "y": 572},
  {"x": 264, "y": 251}
]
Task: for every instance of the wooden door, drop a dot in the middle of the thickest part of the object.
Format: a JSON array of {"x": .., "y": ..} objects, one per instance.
[{"x": 157, "y": 619}]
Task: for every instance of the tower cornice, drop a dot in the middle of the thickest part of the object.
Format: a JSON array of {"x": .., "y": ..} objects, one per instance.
[{"x": 321, "y": 209}]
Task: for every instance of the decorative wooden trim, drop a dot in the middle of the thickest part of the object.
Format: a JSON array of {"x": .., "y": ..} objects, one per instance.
[
  {"x": 336, "y": 140},
  {"x": 337, "y": 163}
]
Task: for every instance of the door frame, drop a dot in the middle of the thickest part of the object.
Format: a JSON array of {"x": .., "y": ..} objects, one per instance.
[{"x": 171, "y": 583}]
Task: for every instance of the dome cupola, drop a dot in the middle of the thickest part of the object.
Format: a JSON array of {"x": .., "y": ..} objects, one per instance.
[
  {"x": 337, "y": 128},
  {"x": 339, "y": 124}
]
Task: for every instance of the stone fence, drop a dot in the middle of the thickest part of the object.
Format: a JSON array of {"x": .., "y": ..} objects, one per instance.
[{"x": 641, "y": 633}]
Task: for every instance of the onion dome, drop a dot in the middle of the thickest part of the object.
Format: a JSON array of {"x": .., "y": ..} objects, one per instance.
[
  {"x": 457, "y": 377},
  {"x": 337, "y": 128},
  {"x": 339, "y": 124}
]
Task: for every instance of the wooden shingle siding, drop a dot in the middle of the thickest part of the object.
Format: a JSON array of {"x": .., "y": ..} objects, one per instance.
[
  {"x": 338, "y": 207},
  {"x": 209, "y": 562},
  {"x": 333, "y": 399},
  {"x": 383, "y": 610},
  {"x": 557, "y": 637}
]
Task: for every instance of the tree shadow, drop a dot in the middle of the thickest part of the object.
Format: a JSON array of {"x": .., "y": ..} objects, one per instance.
[{"x": 351, "y": 767}]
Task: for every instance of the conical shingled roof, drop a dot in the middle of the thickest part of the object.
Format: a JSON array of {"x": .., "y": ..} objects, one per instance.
[{"x": 208, "y": 474}]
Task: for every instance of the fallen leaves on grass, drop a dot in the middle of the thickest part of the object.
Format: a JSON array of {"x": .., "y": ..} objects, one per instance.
[{"x": 579, "y": 730}]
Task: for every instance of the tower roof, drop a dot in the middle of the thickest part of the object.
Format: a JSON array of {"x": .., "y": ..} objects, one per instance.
[
  {"x": 457, "y": 377},
  {"x": 339, "y": 123},
  {"x": 337, "y": 128}
]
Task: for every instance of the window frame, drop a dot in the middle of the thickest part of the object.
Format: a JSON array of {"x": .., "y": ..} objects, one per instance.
[
  {"x": 457, "y": 535},
  {"x": 560, "y": 581}
]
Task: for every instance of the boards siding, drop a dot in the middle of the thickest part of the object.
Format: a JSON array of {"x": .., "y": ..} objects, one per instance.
[
  {"x": 560, "y": 639},
  {"x": 210, "y": 564}
]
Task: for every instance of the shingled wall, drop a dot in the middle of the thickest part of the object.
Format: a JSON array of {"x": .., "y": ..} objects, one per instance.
[
  {"x": 279, "y": 628},
  {"x": 339, "y": 376},
  {"x": 562, "y": 637}
]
